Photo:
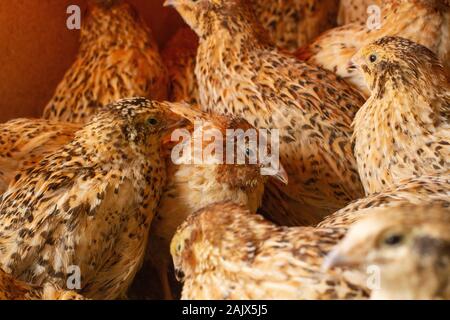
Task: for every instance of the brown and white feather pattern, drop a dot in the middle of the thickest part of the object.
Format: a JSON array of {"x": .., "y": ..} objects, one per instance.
[
  {"x": 403, "y": 130},
  {"x": 118, "y": 58},
  {"x": 191, "y": 187},
  {"x": 225, "y": 252},
  {"x": 410, "y": 191},
  {"x": 294, "y": 23},
  {"x": 423, "y": 21},
  {"x": 290, "y": 24},
  {"x": 24, "y": 142},
  {"x": 241, "y": 74},
  {"x": 409, "y": 244},
  {"x": 89, "y": 204}
]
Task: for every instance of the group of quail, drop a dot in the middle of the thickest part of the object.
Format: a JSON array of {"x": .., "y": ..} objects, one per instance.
[{"x": 362, "y": 192}]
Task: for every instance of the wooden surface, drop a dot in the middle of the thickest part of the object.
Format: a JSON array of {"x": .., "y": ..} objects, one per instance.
[{"x": 36, "y": 48}]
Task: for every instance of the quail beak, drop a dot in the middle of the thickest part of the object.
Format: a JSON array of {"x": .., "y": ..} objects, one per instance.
[
  {"x": 351, "y": 65},
  {"x": 179, "y": 275},
  {"x": 338, "y": 259}
]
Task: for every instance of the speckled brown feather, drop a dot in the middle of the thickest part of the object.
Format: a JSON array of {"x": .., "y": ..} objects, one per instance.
[
  {"x": 24, "y": 142},
  {"x": 191, "y": 187},
  {"x": 118, "y": 58},
  {"x": 409, "y": 245},
  {"x": 409, "y": 191},
  {"x": 403, "y": 130},
  {"x": 423, "y": 21},
  {"x": 225, "y": 252},
  {"x": 290, "y": 24},
  {"x": 89, "y": 204},
  {"x": 294, "y": 23},
  {"x": 239, "y": 73}
]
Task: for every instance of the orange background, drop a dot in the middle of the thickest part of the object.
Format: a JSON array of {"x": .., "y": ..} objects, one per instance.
[{"x": 36, "y": 48}]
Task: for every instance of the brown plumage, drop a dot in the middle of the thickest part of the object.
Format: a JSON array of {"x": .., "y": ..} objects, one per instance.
[
  {"x": 118, "y": 58},
  {"x": 24, "y": 142},
  {"x": 179, "y": 56},
  {"x": 13, "y": 289},
  {"x": 191, "y": 187},
  {"x": 409, "y": 246},
  {"x": 89, "y": 204},
  {"x": 423, "y": 21},
  {"x": 226, "y": 252},
  {"x": 294, "y": 23},
  {"x": 410, "y": 191},
  {"x": 239, "y": 73},
  {"x": 356, "y": 10},
  {"x": 290, "y": 24},
  {"x": 403, "y": 130}
]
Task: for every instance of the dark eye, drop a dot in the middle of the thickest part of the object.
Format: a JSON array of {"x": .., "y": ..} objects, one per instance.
[
  {"x": 152, "y": 121},
  {"x": 373, "y": 58},
  {"x": 179, "y": 248},
  {"x": 393, "y": 239}
]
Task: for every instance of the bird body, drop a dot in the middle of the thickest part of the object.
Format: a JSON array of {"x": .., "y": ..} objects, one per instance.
[
  {"x": 239, "y": 73},
  {"x": 290, "y": 24},
  {"x": 88, "y": 205},
  {"x": 409, "y": 245},
  {"x": 226, "y": 252},
  {"x": 423, "y": 21},
  {"x": 118, "y": 58},
  {"x": 24, "y": 142},
  {"x": 403, "y": 130}
]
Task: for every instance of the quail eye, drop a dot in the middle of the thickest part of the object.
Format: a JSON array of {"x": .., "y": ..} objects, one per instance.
[
  {"x": 179, "y": 247},
  {"x": 393, "y": 240},
  {"x": 152, "y": 121},
  {"x": 373, "y": 58}
]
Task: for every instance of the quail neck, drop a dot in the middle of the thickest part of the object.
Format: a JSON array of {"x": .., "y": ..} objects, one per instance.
[{"x": 227, "y": 21}]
